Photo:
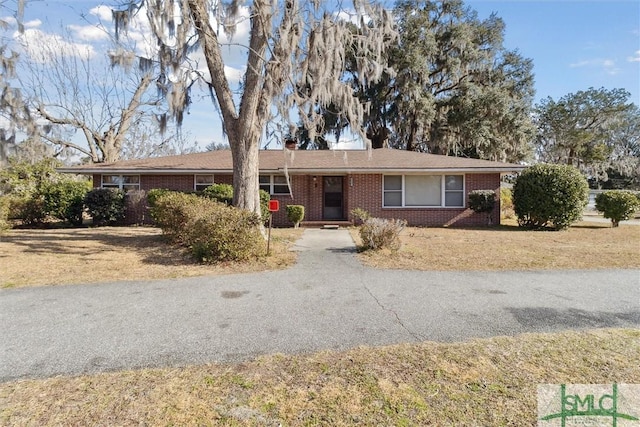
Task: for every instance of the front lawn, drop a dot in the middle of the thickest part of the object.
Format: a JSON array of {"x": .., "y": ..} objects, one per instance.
[
  {"x": 90, "y": 255},
  {"x": 587, "y": 245}
]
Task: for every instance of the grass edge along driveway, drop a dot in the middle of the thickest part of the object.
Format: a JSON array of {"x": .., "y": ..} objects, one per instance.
[{"x": 484, "y": 382}]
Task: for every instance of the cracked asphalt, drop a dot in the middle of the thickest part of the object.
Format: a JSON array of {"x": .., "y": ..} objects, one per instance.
[{"x": 328, "y": 300}]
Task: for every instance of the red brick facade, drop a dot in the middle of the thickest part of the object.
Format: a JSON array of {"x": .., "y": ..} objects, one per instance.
[{"x": 359, "y": 191}]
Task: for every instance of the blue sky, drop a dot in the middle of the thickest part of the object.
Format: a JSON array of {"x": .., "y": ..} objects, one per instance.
[{"x": 574, "y": 45}]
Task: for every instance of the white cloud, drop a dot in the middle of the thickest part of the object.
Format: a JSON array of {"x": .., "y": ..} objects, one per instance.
[
  {"x": 635, "y": 57},
  {"x": 33, "y": 24},
  {"x": 38, "y": 45},
  {"x": 104, "y": 13},
  {"x": 607, "y": 65},
  {"x": 89, "y": 32},
  {"x": 234, "y": 75}
]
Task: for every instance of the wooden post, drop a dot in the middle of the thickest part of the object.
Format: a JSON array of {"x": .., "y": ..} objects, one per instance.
[{"x": 269, "y": 235}]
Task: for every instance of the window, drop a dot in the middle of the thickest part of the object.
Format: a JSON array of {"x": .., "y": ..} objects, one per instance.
[
  {"x": 274, "y": 184},
  {"x": 123, "y": 182},
  {"x": 423, "y": 191},
  {"x": 203, "y": 181}
]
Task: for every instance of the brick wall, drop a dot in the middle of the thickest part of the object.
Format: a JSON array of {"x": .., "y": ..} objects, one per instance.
[
  {"x": 360, "y": 191},
  {"x": 366, "y": 193}
]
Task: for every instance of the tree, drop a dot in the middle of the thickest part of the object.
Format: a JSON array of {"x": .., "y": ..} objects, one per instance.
[
  {"x": 10, "y": 97},
  {"x": 291, "y": 45},
  {"x": 593, "y": 130},
  {"x": 455, "y": 90},
  {"x": 458, "y": 90},
  {"x": 68, "y": 88}
]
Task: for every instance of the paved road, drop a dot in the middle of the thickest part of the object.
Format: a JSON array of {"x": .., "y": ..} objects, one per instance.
[{"x": 327, "y": 301}]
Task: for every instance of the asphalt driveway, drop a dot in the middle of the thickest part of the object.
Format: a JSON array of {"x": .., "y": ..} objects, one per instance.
[{"x": 327, "y": 301}]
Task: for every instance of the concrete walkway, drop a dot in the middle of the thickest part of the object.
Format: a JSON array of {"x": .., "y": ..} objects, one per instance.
[{"x": 328, "y": 300}]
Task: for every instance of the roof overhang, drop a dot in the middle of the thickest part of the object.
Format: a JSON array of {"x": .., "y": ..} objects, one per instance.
[{"x": 291, "y": 171}]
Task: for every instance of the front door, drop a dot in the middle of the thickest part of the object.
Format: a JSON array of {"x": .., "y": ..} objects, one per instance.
[{"x": 333, "y": 206}]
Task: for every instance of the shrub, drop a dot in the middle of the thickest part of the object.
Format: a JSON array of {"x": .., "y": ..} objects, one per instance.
[
  {"x": 136, "y": 210},
  {"x": 211, "y": 230},
  {"x": 482, "y": 201},
  {"x": 618, "y": 205},
  {"x": 4, "y": 213},
  {"x": 219, "y": 192},
  {"x": 360, "y": 215},
  {"x": 295, "y": 214},
  {"x": 506, "y": 203},
  {"x": 264, "y": 205},
  {"x": 105, "y": 205},
  {"x": 550, "y": 195},
  {"x": 379, "y": 233},
  {"x": 224, "y": 193},
  {"x": 169, "y": 211},
  {"x": 224, "y": 233},
  {"x": 29, "y": 209},
  {"x": 154, "y": 194},
  {"x": 65, "y": 200}
]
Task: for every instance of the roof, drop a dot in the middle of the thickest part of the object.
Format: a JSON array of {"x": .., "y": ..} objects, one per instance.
[{"x": 302, "y": 162}]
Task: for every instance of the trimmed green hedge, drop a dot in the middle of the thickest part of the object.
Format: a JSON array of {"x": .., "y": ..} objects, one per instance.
[
  {"x": 618, "y": 205},
  {"x": 105, "y": 205},
  {"x": 295, "y": 214},
  {"x": 547, "y": 195},
  {"x": 212, "y": 231}
]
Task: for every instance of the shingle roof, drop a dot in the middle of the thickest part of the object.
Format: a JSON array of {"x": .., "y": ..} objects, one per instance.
[{"x": 303, "y": 161}]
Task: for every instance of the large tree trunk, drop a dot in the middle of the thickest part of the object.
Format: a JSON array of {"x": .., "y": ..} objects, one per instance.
[{"x": 244, "y": 151}]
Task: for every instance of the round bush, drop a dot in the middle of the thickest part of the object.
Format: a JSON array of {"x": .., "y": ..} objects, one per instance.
[
  {"x": 105, "y": 205},
  {"x": 211, "y": 230},
  {"x": 4, "y": 213},
  {"x": 381, "y": 233},
  {"x": 548, "y": 195},
  {"x": 618, "y": 205},
  {"x": 295, "y": 214},
  {"x": 65, "y": 200},
  {"x": 220, "y": 192}
]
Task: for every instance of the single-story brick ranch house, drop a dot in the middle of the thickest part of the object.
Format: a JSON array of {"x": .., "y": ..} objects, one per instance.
[{"x": 424, "y": 189}]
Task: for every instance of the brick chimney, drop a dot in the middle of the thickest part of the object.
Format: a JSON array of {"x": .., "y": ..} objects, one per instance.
[{"x": 291, "y": 144}]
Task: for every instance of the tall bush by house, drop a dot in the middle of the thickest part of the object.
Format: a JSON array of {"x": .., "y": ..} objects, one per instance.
[
  {"x": 219, "y": 192},
  {"x": 618, "y": 205},
  {"x": 482, "y": 201},
  {"x": 170, "y": 211},
  {"x": 105, "y": 205},
  {"x": 136, "y": 208},
  {"x": 64, "y": 200},
  {"x": 212, "y": 231},
  {"x": 380, "y": 233},
  {"x": 224, "y": 193},
  {"x": 506, "y": 203},
  {"x": 295, "y": 214},
  {"x": 264, "y": 205},
  {"x": 4, "y": 214},
  {"x": 549, "y": 195},
  {"x": 154, "y": 194}
]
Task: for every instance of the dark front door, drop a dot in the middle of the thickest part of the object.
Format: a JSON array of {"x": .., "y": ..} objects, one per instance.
[{"x": 332, "y": 197}]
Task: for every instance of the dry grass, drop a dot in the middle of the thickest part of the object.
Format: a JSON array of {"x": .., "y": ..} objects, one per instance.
[
  {"x": 586, "y": 245},
  {"x": 488, "y": 382},
  {"x": 89, "y": 255}
]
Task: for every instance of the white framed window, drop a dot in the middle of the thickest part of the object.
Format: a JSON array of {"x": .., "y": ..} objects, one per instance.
[
  {"x": 202, "y": 181},
  {"x": 123, "y": 182},
  {"x": 423, "y": 191},
  {"x": 274, "y": 184}
]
